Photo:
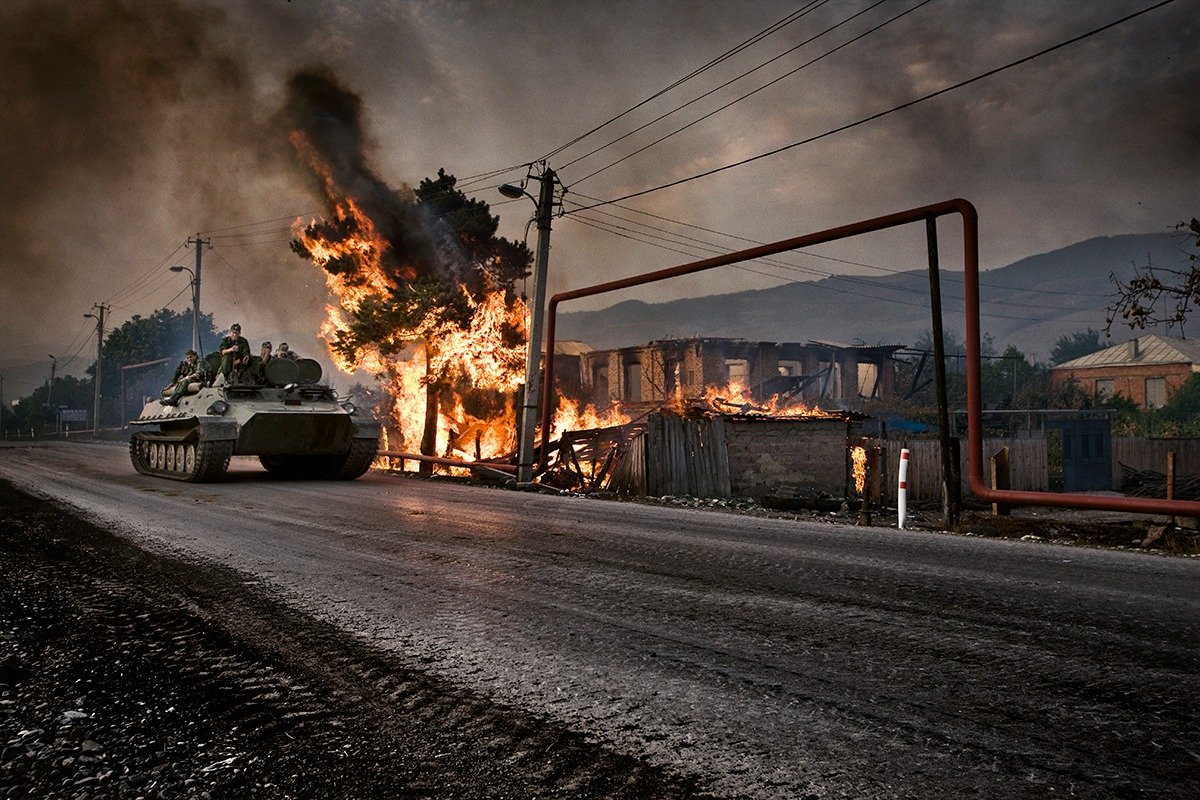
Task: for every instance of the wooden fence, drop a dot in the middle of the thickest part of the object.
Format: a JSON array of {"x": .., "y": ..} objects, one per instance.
[
  {"x": 1028, "y": 470},
  {"x": 689, "y": 456},
  {"x": 1143, "y": 452}
]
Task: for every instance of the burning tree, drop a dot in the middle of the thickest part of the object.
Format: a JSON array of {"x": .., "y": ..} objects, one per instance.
[{"x": 425, "y": 290}]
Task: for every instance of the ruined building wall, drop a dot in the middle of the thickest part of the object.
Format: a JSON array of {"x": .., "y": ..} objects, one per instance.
[{"x": 765, "y": 454}]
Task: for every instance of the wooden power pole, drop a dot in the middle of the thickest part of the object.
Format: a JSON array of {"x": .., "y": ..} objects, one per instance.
[{"x": 101, "y": 308}]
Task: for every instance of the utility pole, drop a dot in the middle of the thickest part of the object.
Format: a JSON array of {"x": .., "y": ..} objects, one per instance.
[
  {"x": 533, "y": 358},
  {"x": 951, "y": 504},
  {"x": 50, "y": 388},
  {"x": 101, "y": 308},
  {"x": 200, "y": 245}
]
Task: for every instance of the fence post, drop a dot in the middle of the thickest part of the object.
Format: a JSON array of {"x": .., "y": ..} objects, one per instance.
[
  {"x": 1001, "y": 478},
  {"x": 1171, "y": 479}
]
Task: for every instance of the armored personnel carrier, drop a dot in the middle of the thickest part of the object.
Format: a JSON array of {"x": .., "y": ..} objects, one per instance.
[{"x": 295, "y": 426}]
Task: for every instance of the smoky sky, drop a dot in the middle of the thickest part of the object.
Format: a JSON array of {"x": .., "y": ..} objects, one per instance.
[{"x": 131, "y": 124}]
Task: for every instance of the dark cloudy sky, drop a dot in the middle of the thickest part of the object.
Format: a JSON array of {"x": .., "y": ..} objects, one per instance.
[{"x": 129, "y": 126}]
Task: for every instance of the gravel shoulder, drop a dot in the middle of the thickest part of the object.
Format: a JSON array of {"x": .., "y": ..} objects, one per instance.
[{"x": 128, "y": 674}]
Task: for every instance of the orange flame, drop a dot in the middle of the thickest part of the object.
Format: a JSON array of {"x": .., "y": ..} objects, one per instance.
[
  {"x": 479, "y": 356},
  {"x": 736, "y": 398},
  {"x": 858, "y": 461}
]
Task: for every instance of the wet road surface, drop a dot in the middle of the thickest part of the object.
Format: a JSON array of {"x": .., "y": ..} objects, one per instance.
[{"x": 772, "y": 658}]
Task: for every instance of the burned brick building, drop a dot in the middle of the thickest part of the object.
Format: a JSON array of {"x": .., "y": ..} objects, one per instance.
[{"x": 818, "y": 372}]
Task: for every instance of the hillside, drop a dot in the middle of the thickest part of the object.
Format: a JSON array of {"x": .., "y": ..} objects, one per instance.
[{"x": 1029, "y": 303}]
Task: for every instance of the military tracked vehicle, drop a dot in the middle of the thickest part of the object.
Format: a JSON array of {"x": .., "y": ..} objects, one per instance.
[{"x": 295, "y": 426}]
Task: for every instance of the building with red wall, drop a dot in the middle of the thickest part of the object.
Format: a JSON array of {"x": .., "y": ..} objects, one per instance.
[{"x": 1146, "y": 370}]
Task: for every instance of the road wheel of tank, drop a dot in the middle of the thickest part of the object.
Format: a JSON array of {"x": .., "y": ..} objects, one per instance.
[
  {"x": 138, "y": 449},
  {"x": 357, "y": 461},
  {"x": 189, "y": 458},
  {"x": 170, "y": 458},
  {"x": 212, "y": 459}
]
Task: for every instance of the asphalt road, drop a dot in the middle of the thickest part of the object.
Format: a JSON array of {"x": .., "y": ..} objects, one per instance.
[{"x": 774, "y": 658}]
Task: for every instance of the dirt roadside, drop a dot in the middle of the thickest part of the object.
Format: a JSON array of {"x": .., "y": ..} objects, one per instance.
[{"x": 129, "y": 674}]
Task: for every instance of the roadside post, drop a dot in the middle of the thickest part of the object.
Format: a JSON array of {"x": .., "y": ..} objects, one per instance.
[{"x": 902, "y": 491}]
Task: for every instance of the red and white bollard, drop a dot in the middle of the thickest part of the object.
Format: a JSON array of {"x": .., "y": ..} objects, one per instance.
[{"x": 902, "y": 491}]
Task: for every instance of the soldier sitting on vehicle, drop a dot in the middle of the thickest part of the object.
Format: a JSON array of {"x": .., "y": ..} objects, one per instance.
[
  {"x": 284, "y": 352},
  {"x": 258, "y": 365},
  {"x": 191, "y": 374},
  {"x": 235, "y": 354}
]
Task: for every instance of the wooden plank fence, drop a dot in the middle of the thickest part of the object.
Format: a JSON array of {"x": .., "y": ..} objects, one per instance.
[
  {"x": 1029, "y": 466},
  {"x": 686, "y": 456},
  {"x": 677, "y": 456},
  {"x": 1143, "y": 452}
]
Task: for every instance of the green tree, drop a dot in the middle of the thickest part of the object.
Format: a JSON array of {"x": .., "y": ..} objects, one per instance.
[
  {"x": 1076, "y": 345},
  {"x": 163, "y": 334},
  {"x": 32, "y": 412}
]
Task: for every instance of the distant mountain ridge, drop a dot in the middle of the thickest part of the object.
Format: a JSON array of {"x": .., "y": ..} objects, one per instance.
[{"x": 1029, "y": 303}]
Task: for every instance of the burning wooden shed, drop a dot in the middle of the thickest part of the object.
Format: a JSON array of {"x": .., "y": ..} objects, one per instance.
[{"x": 715, "y": 455}]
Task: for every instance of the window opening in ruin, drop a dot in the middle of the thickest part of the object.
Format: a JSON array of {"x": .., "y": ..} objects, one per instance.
[
  {"x": 737, "y": 371},
  {"x": 632, "y": 380},
  {"x": 868, "y": 380}
]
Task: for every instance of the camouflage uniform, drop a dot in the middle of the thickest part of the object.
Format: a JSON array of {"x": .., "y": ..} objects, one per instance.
[
  {"x": 228, "y": 360},
  {"x": 186, "y": 374},
  {"x": 258, "y": 365}
]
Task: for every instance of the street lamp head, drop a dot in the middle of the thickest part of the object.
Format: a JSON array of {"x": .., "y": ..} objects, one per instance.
[
  {"x": 177, "y": 268},
  {"x": 509, "y": 190}
]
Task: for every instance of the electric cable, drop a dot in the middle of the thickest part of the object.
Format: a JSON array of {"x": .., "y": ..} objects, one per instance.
[
  {"x": 146, "y": 276},
  {"x": 763, "y": 34},
  {"x": 290, "y": 217},
  {"x": 736, "y": 79},
  {"x": 715, "y": 248},
  {"x": 770, "y": 29},
  {"x": 786, "y": 279},
  {"x": 953, "y": 276},
  {"x": 892, "y": 110}
]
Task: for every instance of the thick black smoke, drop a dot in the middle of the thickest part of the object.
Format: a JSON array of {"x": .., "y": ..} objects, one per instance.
[
  {"x": 104, "y": 103},
  {"x": 330, "y": 118}
]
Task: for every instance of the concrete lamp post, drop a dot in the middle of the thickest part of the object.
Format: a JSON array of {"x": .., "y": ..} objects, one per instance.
[
  {"x": 195, "y": 305},
  {"x": 533, "y": 366}
]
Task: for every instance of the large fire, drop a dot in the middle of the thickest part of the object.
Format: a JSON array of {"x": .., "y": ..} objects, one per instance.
[
  {"x": 736, "y": 398},
  {"x": 480, "y": 357}
]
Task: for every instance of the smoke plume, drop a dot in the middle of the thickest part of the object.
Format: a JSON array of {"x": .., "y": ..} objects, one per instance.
[{"x": 327, "y": 130}]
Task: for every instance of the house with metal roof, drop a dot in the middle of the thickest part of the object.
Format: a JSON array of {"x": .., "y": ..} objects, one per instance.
[{"x": 1146, "y": 370}]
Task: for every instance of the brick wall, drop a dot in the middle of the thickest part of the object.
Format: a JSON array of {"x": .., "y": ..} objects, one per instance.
[
  {"x": 1129, "y": 381},
  {"x": 763, "y": 454}
]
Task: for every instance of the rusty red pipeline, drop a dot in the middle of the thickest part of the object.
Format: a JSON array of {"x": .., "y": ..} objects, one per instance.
[{"x": 970, "y": 219}]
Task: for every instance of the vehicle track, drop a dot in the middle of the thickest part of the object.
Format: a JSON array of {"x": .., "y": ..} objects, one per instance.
[{"x": 126, "y": 674}]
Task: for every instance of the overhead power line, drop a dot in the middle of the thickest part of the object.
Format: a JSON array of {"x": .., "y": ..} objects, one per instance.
[
  {"x": 888, "y": 270},
  {"x": 888, "y": 111},
  {"x": 753, "y": 92},
  {"x": 624, "y": 233},
  {"x": 713, "y": 248},
  {"x": 755, "y": 39},
  {"x": 750, "y": 42},
  {"x": 289, "y": 217}
]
